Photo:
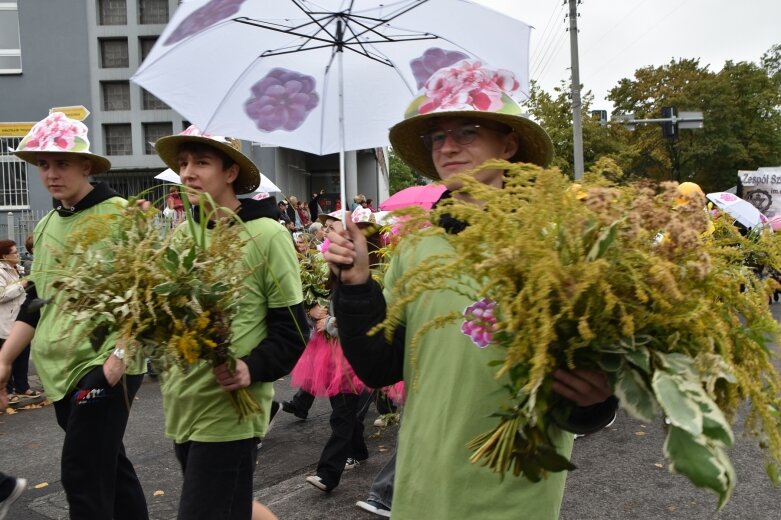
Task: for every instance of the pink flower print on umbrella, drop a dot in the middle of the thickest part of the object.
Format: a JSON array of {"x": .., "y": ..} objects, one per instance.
[
  {"x": 479, "y": 322},
  {"x": 204, "y": 17},
  {"x": 468, "y": 85},
  {"x": 431, "y": 61},
  {"x": 281, "y": 100},
  {"x": 56, "y": 133}
]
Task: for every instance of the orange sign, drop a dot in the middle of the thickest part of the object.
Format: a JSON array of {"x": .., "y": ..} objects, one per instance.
[{"x": 77, "y": 112}]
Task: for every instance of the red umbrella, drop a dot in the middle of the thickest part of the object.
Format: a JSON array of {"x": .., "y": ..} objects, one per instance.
[{"x": 423, "y": 196}]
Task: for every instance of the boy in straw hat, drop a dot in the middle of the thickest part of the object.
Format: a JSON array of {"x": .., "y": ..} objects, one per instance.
[
  {"x": 216, "y": 451},
  {"x": 463, "y": 117},
  {"x": 82, "y": 377}
]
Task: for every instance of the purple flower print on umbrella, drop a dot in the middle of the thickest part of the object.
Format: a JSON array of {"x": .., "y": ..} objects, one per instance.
[
  {"x": 281, "y": 100},
  {"x": 431, "y": 61},
  {"x": 479, "y": 322},
  {"x": 204, "y": 17}
]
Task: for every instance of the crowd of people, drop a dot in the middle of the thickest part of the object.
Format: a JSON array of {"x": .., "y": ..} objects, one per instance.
[{"x": 92, "y": 386}]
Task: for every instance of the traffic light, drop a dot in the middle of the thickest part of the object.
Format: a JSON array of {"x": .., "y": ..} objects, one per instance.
[{"x": 670, "y": 129}]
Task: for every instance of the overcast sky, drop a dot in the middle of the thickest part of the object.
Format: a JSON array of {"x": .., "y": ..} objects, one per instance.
[{"x": 618, "y": 37}]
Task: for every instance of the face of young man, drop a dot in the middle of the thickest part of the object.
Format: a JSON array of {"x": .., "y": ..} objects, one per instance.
[
  {"x": 203, "y": 173},
  {"x": 461, "y": 144},
  {"x": 65, "y": 175}
]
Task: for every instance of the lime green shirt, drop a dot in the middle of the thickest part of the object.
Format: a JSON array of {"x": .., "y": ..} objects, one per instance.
[
  {"x": 60, "y": 349},
  {"x": 451, "y": 391},
  {"x": 196, "y": 408}
]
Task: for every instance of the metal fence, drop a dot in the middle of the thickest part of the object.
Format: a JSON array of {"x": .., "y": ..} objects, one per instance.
[{"x": 18, "y": 225}]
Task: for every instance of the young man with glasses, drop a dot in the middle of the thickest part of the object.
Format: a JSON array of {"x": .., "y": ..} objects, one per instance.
[{"x": 463, "y": 118}]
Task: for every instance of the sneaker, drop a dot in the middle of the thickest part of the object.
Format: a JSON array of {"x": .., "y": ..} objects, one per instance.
[
  {"x": 290, "y": 407},
  {"x": 373, "y": 506},
  {"x": 317, "y": 482},
  {"x": 351, "y": 463},
  {"x": 5, "y": 505}
]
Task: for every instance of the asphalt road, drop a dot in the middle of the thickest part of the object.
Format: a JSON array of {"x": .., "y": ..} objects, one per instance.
[{"x": 621, "y": 471}]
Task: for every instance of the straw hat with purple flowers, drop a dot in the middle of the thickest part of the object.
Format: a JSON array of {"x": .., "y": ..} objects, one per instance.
[
  {"x": 57, "y": 133},
  {"x": 467, "y": 89}
]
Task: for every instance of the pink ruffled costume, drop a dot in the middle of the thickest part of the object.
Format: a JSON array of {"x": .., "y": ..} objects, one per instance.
[{"x": 323, "y": 371}]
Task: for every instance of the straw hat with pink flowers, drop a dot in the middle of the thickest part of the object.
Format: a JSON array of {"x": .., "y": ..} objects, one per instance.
[
  {"x": 57, "y": 133},
  {"x": 249, "y": 176},
  {"x": 359, "y": 216},
  {"x": 471, "y": 90}
]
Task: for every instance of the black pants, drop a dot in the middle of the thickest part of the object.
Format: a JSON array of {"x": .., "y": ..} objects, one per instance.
[
  {"x": 99, "y": 480},
  {"x": 7, "y": 484},
  {"x": 347, "y": 414},
  {"x": 217, "y": 479},
  {"x": 303, "y": 400}
]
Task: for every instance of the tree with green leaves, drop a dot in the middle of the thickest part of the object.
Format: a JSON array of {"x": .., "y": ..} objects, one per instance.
[
  {"x": 741, "y": 105},
  {"x": 401, "y": 175}
]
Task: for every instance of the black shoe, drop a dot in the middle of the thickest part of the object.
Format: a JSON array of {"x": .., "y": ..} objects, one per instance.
[{"x": 290, "y": 407}]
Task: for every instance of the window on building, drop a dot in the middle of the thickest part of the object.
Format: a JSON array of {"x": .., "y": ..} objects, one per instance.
[
  {"x": 116, "y": 95},
  {"x": 113, "y": 53},
  {"x": 150, "y": 102},
  {"x": 146, "y": 43},
  {"x": 112, "y": 12},
  {"x": 118, "y": 139},
  {"x": 13, "y": 176},
  {"x": 152, "y": 11},
  {"x": 153, "y": 132},
  {"x": 10, "y": 46}
]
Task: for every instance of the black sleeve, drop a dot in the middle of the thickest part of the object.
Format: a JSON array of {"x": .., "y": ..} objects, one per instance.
[
  {"x": 590, "y": 419},
  {"x": 313, "y": 206},
  {"x": 30, "y": 311},
  {"x": 278, "y": 353},
  {"x": 358, "y": 308}
]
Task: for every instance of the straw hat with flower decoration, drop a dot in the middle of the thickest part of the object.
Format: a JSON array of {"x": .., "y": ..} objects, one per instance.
[
  {"x": 361, "y": 216},
  {"x": 57, "y": 133},
  {"x": 248, "y": 179},
  {"x": 467, "y": 89}
]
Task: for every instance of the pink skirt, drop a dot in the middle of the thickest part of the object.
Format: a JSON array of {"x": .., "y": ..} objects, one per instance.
[
  {"x": 395, "y": 393},
  {"x": 323, "y": 371}
]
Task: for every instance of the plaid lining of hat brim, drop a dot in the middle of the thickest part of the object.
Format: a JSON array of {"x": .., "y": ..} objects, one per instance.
[
  {"x": 248, "y": 178},
  {"x": 99, "y": 164},
  {"x": 535, "y": 144}
]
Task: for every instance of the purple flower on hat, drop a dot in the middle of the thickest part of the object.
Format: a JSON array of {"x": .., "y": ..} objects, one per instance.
[
  {"x": 281, "y": 100},
  {"x": 479, "y": 322},
  {"x": 431, "y": 61},
  {"x": 204, "y": 17},
  {"x": 56, "y": 132},
  {"x": 468, "y": 85}
]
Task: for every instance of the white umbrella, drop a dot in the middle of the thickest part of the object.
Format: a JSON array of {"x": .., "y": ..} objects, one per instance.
[
  {"x": 168, "y": 175},
  {"x": 741, "y": 210},
  {"x": 322, "y": 77}
]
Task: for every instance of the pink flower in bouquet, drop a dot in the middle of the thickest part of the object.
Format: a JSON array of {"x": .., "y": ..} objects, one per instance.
[
  {"x": 468, "y": 85},
  {"x": 479, "y": 322},
  {"x": 324, "y": 245}
]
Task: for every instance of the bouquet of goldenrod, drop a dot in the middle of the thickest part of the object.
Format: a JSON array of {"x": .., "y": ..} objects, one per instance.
[
  {"x": 637, "y": 281},
  {"x": 167, "y": 296}
]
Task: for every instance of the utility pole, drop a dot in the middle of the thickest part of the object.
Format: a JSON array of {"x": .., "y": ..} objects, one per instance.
[{"x": 577, "y": 130}]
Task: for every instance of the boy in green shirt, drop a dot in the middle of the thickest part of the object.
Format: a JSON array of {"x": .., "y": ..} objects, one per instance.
[
  {"x": 462, "y": 119},
  {"x": 82, "y": 379},
  {"x": 217, "y": 452}
]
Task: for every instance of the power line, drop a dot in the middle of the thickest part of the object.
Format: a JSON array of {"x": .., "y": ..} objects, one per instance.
[
  {"x": 545, "y": 35},
  {"x": 552, "y": 56},
  {"x": 606, "y": 32},
  {"x": 554, "y": 45}
]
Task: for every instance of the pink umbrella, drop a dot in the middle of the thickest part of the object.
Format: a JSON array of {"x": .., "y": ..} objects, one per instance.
[{"x": 423, "y": 196}]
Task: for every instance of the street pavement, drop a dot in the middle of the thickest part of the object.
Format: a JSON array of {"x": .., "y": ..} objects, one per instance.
[{"x": 621, "y": 471}]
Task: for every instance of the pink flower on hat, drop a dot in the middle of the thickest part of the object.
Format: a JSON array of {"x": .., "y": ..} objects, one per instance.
[
  {"x": 194, "y": 130},
  {"x": 55, "y": 133},
  {"x": 467, "y": 85},
  {"x": 361, "y": 214}
]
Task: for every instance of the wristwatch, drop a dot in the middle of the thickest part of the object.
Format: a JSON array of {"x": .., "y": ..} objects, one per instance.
[{"x": 119, "y": 353}]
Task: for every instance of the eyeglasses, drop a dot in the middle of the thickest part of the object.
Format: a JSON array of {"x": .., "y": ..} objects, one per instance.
[{"x": 463, "y": 135}]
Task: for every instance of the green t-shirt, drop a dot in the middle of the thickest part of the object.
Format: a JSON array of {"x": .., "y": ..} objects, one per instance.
[
  {"x": 451, "y": 391},
  {"x": 196, "y": 407},
  {"x": 60, "y": 350}
]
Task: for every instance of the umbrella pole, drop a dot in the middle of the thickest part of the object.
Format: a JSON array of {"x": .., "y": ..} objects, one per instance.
[{"x": 340, "y": 72}]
